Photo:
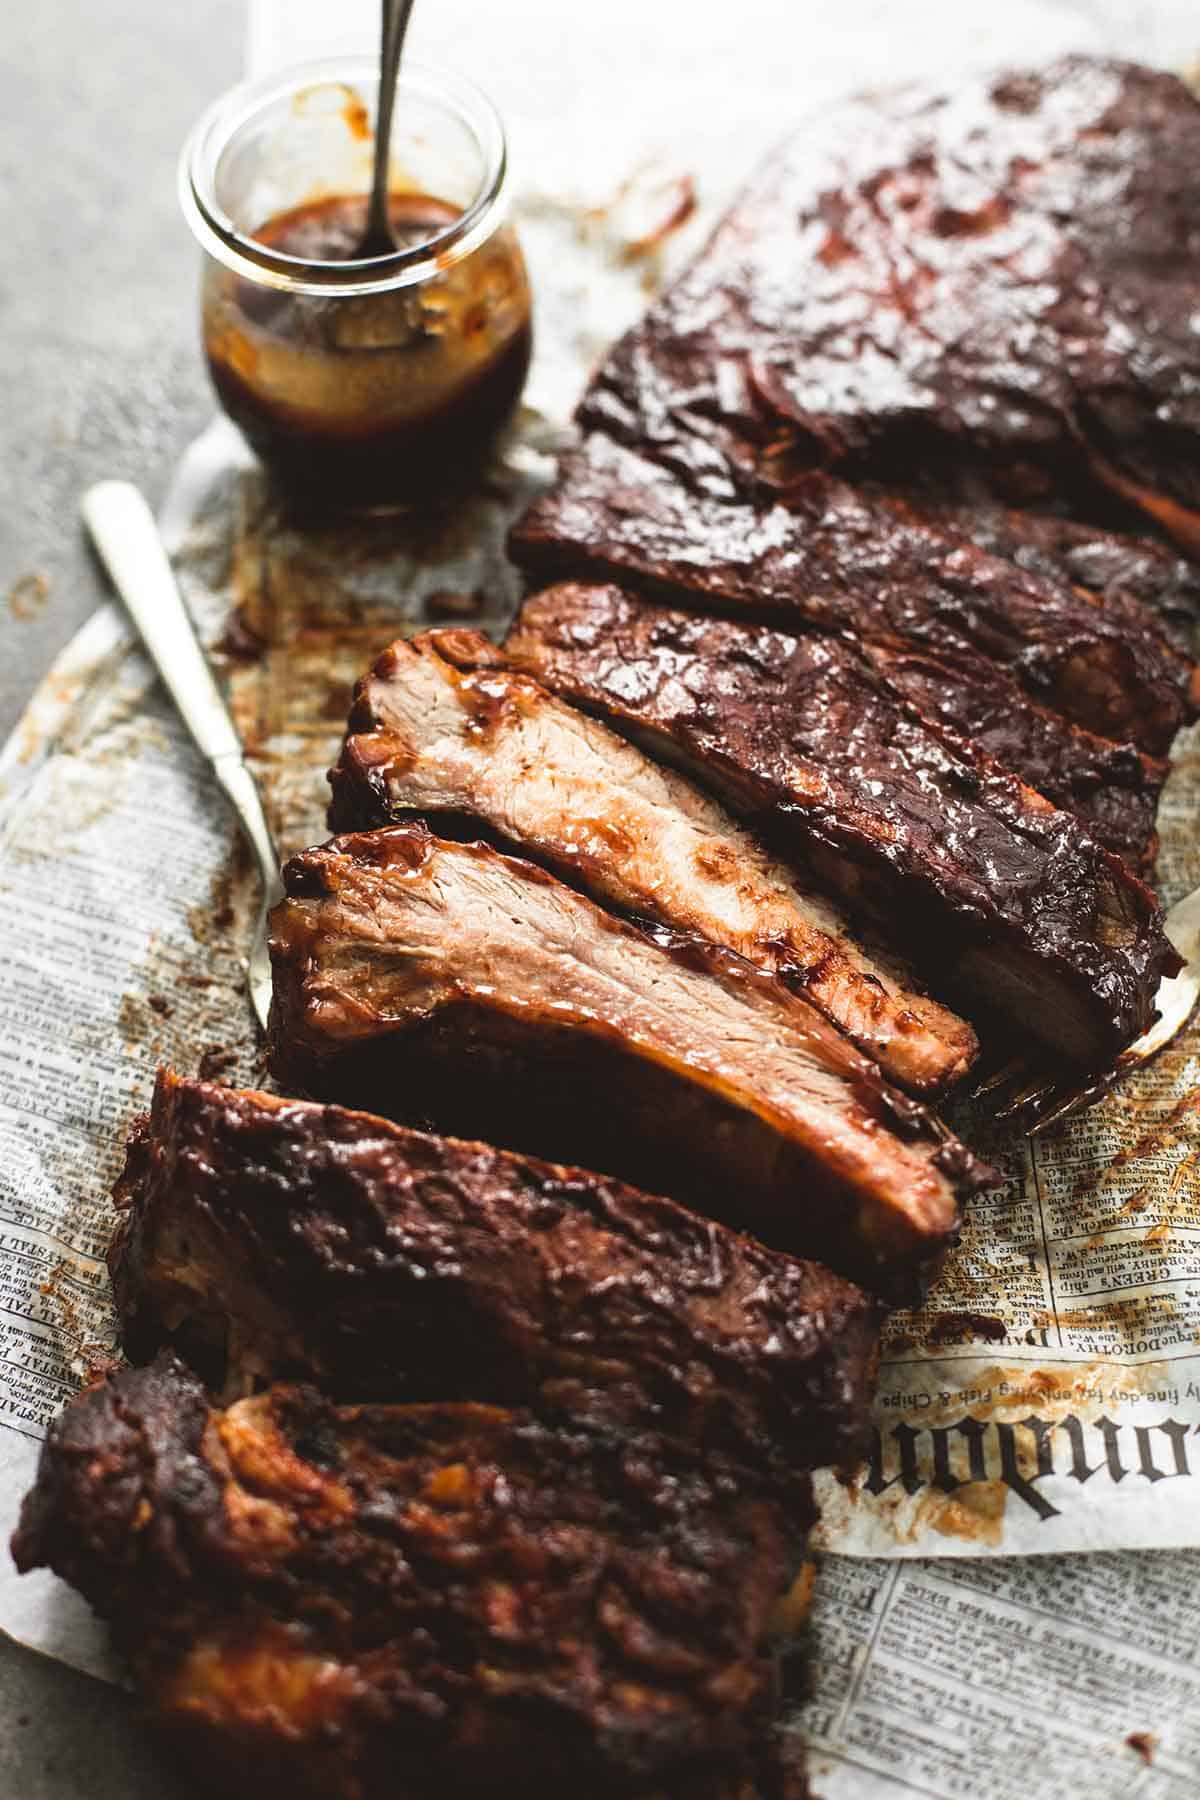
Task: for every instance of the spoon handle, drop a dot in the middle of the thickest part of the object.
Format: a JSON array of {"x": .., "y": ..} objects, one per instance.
[
  {"x": 395, "y": 25},
  {"x": 125, "y": 535}
]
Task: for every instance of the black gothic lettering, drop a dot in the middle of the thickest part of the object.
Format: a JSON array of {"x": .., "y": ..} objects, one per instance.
[{"x": 1010, "y": 1468}]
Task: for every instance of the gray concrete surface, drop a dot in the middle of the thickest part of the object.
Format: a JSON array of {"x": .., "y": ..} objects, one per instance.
[
  {"x": 100, "y": 376},
  {"x": 98, "y": 347}
]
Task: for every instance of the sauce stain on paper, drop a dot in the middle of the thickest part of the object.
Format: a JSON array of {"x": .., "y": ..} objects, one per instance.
[{"x": 27, "y": 595}]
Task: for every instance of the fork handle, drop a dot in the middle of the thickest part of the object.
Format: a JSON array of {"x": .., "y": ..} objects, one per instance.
[{"x": 126, "y": 537}]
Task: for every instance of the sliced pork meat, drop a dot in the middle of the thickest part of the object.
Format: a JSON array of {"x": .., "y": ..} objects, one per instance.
[
  {"x": 358, "y": 1602},
  {"x": 826, "y": 557},
  {"x": 441, "y": 728},
  {"x": 1000, "y": 895},
  {"x": 444, "y": 982},
  {"x": 1008, "y": 267},
  {"x": 1063, "y": 536},
  {"x": 283, "y": 1239}
]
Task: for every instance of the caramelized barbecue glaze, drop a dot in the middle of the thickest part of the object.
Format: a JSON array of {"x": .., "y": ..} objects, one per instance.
[
  {"x": 295, "y": 1240},
  {"x": 1008, "y": 268},
  {"x": 364, "y": 1601}
]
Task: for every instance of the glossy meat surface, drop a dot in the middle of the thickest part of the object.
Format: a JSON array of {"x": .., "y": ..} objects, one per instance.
[
  {"x": 442, "y": 729},
  {"x": 366, "y": 1601},
  {"x": 1112, "y": 789},
  {"x": 1010, "y": 266},
  {"x": 1069, "y": 536},
  {"x": 442, "y": 981},
  {"x": 823, "y": 556},
  {"x": 997, "y": 891},
  {"x": 295, "y": 1240}
]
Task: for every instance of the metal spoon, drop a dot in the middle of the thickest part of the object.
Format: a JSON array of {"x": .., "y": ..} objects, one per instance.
[
  {"x": 377, "y": 239},
  {"x": 125, "y": 535}
]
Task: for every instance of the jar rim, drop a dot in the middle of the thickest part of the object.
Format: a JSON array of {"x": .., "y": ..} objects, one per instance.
[{"x": 258, "y": 262}]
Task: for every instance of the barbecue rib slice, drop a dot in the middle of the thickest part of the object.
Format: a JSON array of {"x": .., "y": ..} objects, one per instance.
[
  {"x": 828, "y": 558},
  {"x": 1009, "y": 268},
  {"x": 997, "y": 891},
  {"x": 309, "y": 1242},
  {"x": 1112, "y": 789},
  {"x": 365, "y": 1601},
  {"x": 447, "y": 983},
  {"x": 442, "y": 729},
  {"x": 1056, "y": 536}
]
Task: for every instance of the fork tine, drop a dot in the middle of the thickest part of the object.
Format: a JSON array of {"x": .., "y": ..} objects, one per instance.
[
  {"x": 1086, "y": 1093},
  {"x": 1008, "y": 1072},
  {"x": 1067, "y": 1104},
  {"x": 1036, "y": 1101},
  {"x": 1031, "y": 1097}
]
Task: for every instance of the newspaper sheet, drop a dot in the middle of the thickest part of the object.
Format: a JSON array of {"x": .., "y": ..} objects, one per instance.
[
  {"x": 1047, "y": 1394},
  {"x": 1045, "y": 1399}
]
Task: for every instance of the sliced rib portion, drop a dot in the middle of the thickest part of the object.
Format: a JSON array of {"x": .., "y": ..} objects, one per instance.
[
  {"x": 999, "y": 893},
  {"x": 306, "y": 1241},
  {"x": 366, "y": 1601},
  {"x": 1059, "y": 536},
  {"x": 1113, "y": 789},
  {"x": 826, "y": 557},
  {"x": 445, "y": 982},
  {"x": 1008, "y": 267},
  {"x": 442, "y": 728}
]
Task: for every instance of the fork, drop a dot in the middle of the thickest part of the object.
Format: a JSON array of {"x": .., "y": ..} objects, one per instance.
[
  {"x": 1023, "y": 1094},
  {"x": 126, "y": 537}
]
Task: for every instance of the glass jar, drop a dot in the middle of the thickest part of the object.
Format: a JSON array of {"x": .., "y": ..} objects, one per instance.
[{"x": 360, "y": 383}]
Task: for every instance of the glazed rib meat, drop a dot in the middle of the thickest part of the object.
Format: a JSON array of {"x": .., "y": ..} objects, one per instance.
[
  {"x": 998, "y": 893},
  {"x": 825, "y": 557},
  {"x": 1113, "y": 789},
  {"x": 441, "y": 728},
  {"x": 1008, "y": 268},
  {"x": 1015, "y": 514},
  {"x": 310, "y": 1242},
  {"x": 444, "y": 982},
  {"x": 369, "y": 1601}
]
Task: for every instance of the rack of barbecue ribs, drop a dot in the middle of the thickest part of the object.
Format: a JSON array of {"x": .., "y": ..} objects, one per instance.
[
  {"x": 443, "y": 728},
  {"x": 382, "y": 1600},
  {"x": 574, "y": 1562},
  {"x": 286, "y": 1240},
  {"x": 442, "y": 980},
  {"x": 880, "y": 520},
  {"x": 476, "y": 1447}
]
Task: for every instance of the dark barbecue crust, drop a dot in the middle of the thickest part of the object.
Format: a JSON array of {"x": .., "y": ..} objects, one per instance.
[
  {"x": 385, "y": 1263},
  {"x": 822, "y": 556},
  {"x": 1008, "y": 267},
  {"x": 1066, "y": 537},
  {"x": 1112, "y": 789},
  {"x": 354, "y": 1602},
  {"x": 933, "y": 837}
]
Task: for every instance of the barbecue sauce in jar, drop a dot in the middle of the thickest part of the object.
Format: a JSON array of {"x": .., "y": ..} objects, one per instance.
[{"x": 371, "y": 400}]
